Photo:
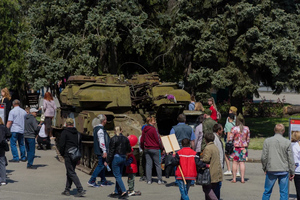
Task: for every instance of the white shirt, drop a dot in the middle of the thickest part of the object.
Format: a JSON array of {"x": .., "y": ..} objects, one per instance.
[
  {"x": 17, "y": 116},
  {"x": 42, "y": 132},
  {"x": 101, "y": 139},
  {"x": 296, "y": 153}
]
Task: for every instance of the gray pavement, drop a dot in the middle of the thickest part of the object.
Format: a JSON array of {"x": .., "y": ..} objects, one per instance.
[
  {"x": 289, "y": 97},
  {"x": 48, "y": 181}
]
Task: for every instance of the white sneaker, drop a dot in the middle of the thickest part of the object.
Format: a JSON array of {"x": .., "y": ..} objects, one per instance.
[
  {"x": 227, "y": 173},
  {"x": 3, "y": 183},
  {"x": 238, "y": 174},
  {"x": 131, "y": 193}
]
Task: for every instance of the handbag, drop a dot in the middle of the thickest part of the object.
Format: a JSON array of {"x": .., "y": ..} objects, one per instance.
[
  {"x": 74, "y": 152},
  {"x": 5, "y": 145},
  {"x": 203, "y": 177},
  {"x": 228, "y": 148},
  {"x": 219, "y": 116}
]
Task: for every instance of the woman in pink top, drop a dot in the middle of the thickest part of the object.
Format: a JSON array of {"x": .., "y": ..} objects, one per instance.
[
  {"x": 240, "y": 136},
  {"x": 213, "y": 108},
  {"x": 49, "y": 112}
]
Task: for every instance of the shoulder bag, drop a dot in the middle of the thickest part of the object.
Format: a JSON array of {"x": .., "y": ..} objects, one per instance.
[
  {"x": 203, "y": 177},
  {"x": 74, "y": 152},
  {"x": 228, "y": 148},
  {"x": 5, "y": 145}
]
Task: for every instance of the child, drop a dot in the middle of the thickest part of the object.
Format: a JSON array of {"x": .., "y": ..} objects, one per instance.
[
  {"x": 187, "y": 159},
  {"x": 131, "y": 170}
]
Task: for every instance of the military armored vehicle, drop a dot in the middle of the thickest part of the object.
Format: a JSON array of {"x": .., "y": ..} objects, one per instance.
[{"x": 126, "y": 103}]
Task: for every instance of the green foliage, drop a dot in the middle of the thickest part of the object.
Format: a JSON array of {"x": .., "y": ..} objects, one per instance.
[
  {"x": 12, "y": 44},
  {"x": 264, "y": 108},
  {"x": 239, "y": 45},
  {"x": 92, "y": 37},
  {"x": 209, "y": 44},
  {"x": 223, "y": 108}
]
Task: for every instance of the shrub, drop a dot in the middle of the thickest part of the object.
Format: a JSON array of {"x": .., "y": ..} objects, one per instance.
[{"x": 264, "y": 108}]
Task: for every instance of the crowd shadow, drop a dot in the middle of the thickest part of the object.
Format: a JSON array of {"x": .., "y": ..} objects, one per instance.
[
  {"x": 8, "y": 173},
  {"x": 8, "y": 180}
]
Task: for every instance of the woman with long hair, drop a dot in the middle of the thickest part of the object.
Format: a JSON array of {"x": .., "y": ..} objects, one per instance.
[
  {"x": 7, "y": 100},
  {"x": 49, "y": 112},
  {"x": 240, "y": 136},
  {"x": 213, "y": 108},
  {"x": 4, "y": 134},
  {"x": 119, "y": 147},
  {"x": 152, "y": 146}
]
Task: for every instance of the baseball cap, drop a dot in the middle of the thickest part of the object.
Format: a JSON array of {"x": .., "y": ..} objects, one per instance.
[
  {"x": 233, "y": 109},
  {"x": 69, "y": 121}
]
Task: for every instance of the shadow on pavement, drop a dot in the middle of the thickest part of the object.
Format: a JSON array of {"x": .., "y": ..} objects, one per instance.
[{"x": 38, "y": 166}]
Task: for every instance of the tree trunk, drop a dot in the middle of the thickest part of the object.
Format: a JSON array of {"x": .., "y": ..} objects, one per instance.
[
  {"x": 236, "y": 101},
  {"x": 22, "y": 94},
  {"x": 290, "y": 110}
]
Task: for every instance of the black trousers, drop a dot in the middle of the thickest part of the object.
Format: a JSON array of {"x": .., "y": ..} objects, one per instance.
[
  {"x": 71, "y": 175},
  {"x": 44, "y": 141},
  {"x": 297, "y": 185}
]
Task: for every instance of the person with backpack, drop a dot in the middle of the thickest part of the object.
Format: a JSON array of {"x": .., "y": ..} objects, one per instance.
[{"x": 230, "y": 123}]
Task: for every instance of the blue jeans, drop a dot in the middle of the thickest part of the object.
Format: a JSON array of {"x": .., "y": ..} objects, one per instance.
[
  {"x": 283, "y": 182},
  {"x": 117, "y": 168},
  {"x": 184, "y": 189},
  {"x": 13, "y": 145},
  {"x": 99, "y": 170},
  {"x": 30, "y": 148}
]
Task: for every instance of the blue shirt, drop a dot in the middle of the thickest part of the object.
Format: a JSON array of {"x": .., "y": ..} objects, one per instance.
[
  {"x": 193, "y": 137},
  {"x": 192, "y": 106},
  {"x": 17, "y": 116}
]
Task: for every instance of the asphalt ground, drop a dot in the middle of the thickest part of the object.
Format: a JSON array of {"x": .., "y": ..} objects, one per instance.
[{"x": 48, "y": 181}]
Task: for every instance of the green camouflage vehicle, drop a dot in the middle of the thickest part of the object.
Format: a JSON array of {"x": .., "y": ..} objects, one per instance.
[{"x": 126, "y": 103}]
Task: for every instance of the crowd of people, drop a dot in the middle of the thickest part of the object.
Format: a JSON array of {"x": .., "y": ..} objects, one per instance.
[
  {"x": 22, "y": 129},
  {"x": 200, "y": 149}
]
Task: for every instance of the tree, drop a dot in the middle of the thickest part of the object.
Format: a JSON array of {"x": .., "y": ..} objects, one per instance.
[
  {"x": 12, "y": 47},
  {"x": 93, "y": 37},
  {"x": 239, "y": 44}
]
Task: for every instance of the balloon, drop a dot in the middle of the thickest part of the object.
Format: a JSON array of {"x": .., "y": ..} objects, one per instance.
[{"x": 133, "y": 140}]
